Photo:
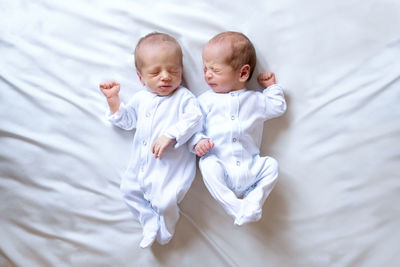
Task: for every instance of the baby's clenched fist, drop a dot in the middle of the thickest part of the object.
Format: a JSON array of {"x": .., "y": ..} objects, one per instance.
[
  {"x": 266, "y": 79},
  {"x": 110, "y": 88}
]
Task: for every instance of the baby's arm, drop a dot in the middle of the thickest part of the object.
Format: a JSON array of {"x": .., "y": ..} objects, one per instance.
[
  {"x": 203, "y": 146},
  {"x": 110, "y": 89},
  {"x": 123, "y": 116},
  {"x": 274, "y": 104},
  {"x": 189, "y": 123}
]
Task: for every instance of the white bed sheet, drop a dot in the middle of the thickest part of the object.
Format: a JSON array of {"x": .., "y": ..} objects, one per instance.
[{"x": 338, "y": 145}]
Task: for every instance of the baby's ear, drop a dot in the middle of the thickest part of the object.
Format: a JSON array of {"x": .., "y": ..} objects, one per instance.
[
  {"x": 140, "y": 77},
  {"x": 244, "y": 73}
]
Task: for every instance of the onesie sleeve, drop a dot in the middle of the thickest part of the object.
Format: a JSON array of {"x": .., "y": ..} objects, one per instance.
[
  {"x": 200, "y": 134},
  {"x": 125, "y": 117},
  {"x": 190, "y": 122},
  {"x": 274, "y": 100}
]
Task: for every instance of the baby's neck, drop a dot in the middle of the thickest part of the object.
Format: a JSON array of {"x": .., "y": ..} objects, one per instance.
[{"x": 233, "y": 90}]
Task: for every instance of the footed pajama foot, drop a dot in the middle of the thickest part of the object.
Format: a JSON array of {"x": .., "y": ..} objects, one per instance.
[
  {"x": 249, "y": 213},
  {"x": 164, "y": 241},
  {"x": 164, "y": 236},
  {"x": 148, "y": 240}
]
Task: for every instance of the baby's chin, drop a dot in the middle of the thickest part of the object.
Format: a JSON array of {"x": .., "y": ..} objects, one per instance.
[{"x": 164, "y": 90}]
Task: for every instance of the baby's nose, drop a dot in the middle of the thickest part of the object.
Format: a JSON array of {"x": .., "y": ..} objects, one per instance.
[{"x": 165, "y": 75}]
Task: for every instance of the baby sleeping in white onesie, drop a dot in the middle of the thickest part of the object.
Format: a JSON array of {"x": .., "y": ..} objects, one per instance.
[
  {"x": 165, "y": 117},
  {"x": 232, "y": 169}
]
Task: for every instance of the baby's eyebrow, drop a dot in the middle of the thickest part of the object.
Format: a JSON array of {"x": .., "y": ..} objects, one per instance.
[
  {"x": 210, "y": 66},
  {"x": 214, "y": 68}
]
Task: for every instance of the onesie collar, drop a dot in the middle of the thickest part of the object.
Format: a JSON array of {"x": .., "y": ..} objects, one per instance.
[
  {"x": 161, "y": 96},
  {"x": 237, "y": 92}
]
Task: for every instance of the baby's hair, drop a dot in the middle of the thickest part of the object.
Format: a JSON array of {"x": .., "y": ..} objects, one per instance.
[
  {"x": 155, "y": 38},
  {"x": 243, "y": 51}
]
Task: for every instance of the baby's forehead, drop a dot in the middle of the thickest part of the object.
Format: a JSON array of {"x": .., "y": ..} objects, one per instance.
[{"x": 158, "y": 53}]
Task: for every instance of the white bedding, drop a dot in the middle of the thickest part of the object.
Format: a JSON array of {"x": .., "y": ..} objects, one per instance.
[{"x": 337, "y": 199}]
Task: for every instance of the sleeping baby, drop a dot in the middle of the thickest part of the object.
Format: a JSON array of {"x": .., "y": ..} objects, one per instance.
[{"x": 165, "y": 116}]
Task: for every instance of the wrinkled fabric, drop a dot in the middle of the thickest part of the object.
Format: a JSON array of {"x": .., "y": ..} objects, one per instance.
[{"x": 335, "y": 202}]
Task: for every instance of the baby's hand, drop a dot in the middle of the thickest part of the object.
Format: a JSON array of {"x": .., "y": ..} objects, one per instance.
[
  {"x": 203, "y": 146},
  {"x": 110, "y": 88},
  {"x": 266, "y": 79},
  {"x": 160, "y": 145}
]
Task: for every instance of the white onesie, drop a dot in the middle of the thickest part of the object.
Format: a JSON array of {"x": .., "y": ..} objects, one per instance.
[
  {"x": 152, "y": 188},
  {"x": 233, "y": 168}
]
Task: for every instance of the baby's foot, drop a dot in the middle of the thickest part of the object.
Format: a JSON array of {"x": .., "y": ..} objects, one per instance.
[
  {"x": 148, "y": 239},
  {"x": 164, "y": 240},
  {"x": 247, "y": 218},
  {"x": 233, "y": 208},
  {"x": 164, "y": 236},
  {"x": 250, "y": 212}
]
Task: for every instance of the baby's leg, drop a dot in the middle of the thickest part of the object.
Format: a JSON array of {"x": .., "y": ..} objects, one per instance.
[
  {"x": 166, "y": 206},
  {"x": 141, "y": 210},
  {"x": 258, "y": 193},
  {"x": 267, "y": 179},
  {"x": 213, "y": 172}
]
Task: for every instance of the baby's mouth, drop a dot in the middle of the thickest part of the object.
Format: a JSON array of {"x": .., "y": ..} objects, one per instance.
[{"x": 164, "y": 87}]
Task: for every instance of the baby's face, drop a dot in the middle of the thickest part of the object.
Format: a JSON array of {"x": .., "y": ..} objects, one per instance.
[
  {"x": 219, "y": 75},
  {"x": 161, "y": 70}
]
